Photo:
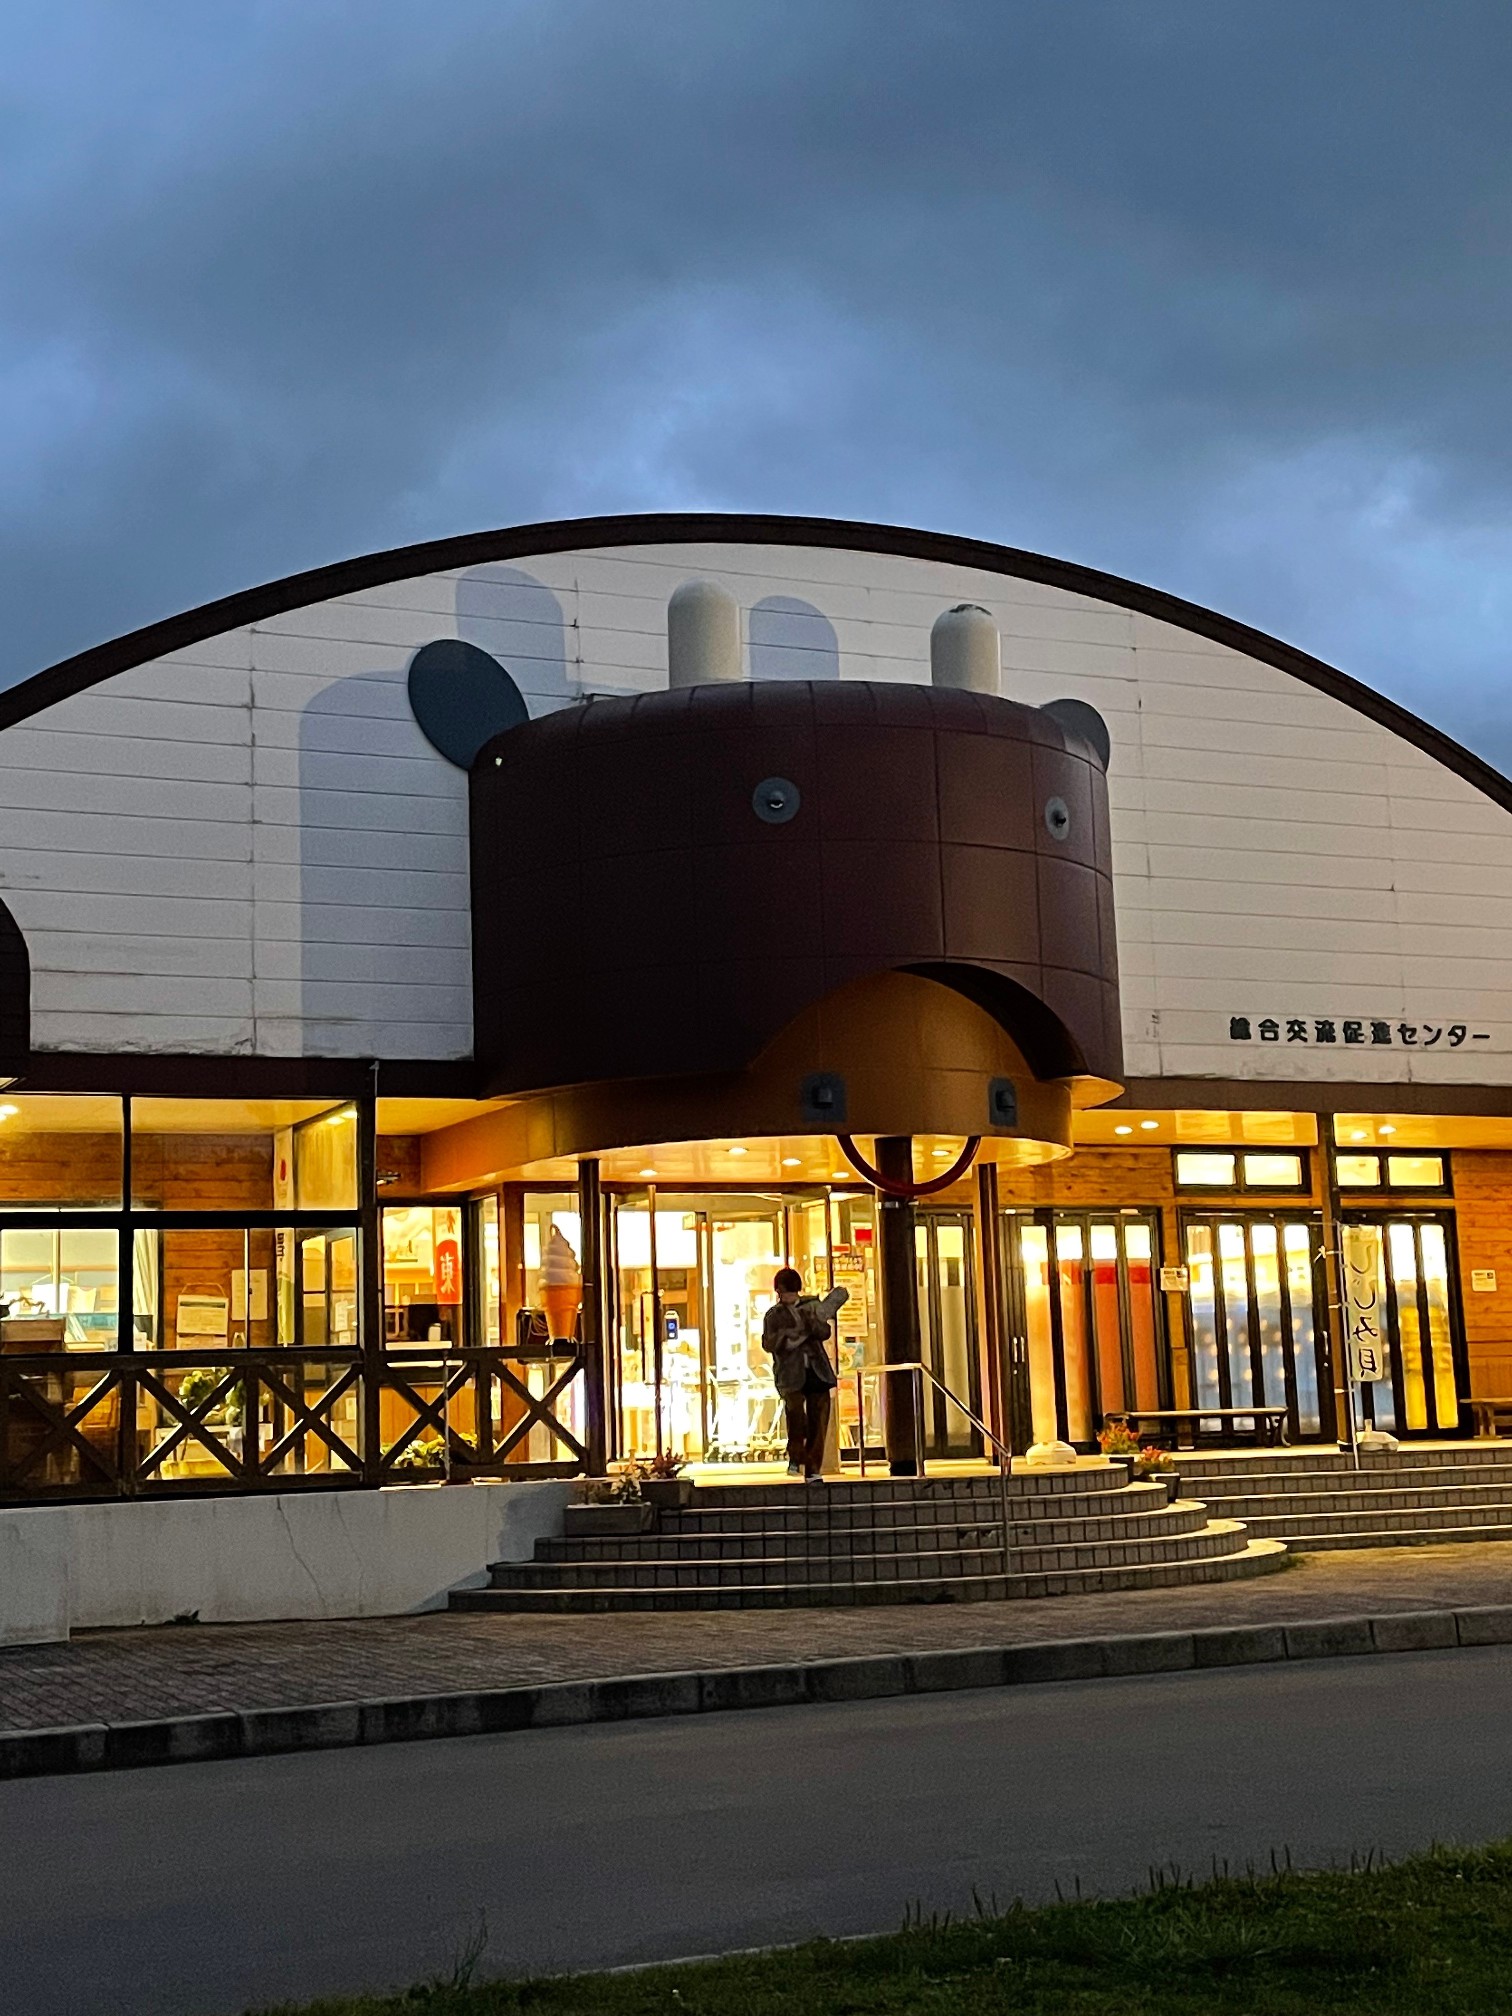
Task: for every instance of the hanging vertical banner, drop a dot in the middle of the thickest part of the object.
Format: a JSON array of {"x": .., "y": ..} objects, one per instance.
[
  {"x": 1360, "y": 1250},
  {"x": 448, "y": 1257}
]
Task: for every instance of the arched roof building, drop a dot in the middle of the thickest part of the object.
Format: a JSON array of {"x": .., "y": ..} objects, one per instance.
[{"x": 1201, "y": 949}]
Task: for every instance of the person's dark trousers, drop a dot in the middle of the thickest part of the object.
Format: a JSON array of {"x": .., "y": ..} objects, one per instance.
[{"x": 807, "y": 1426}]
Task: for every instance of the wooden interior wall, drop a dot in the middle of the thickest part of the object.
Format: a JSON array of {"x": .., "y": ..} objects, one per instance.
[{"x": 1483, "y": 1214}]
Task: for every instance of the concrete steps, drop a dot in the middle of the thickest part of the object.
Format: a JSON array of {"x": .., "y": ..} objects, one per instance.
[
  {"x": 890, "y": 1540},
  {"x": 1319, "y": 1500},
  {"x": 1253, "y": 1558}
]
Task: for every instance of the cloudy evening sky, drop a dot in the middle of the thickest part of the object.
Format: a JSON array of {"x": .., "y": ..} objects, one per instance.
[{"x": 1214, "y": 293}]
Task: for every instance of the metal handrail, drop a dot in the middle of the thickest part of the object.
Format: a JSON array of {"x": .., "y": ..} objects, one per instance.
[{"x": 920, "y": 1372}]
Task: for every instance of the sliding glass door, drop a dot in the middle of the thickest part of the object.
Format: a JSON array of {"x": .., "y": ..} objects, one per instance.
[
  {"x": 1084, "y": 1287},
  {"x": 1424, "y": 1392},
  {"x": 1256, "y": 1326}
]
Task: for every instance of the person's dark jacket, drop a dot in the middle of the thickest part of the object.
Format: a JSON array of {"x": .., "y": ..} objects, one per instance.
[{"x": 794, "y": 1333}]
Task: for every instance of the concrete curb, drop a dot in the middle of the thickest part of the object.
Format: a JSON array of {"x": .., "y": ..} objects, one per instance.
[{"x": 340, "y": 1725}]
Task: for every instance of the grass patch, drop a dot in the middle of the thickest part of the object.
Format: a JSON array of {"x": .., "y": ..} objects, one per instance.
[{"x": 1433, "y": 1933}]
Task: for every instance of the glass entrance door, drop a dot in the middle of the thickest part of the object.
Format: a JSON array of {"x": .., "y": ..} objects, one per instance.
[
  {"x": 746, "y": 1244},
  {"x": 693, "y": 1278},
  {"x": 1255, "y": 1302},
  {"x": 660, "y": 1302},
  {"x": 1423, "y": 1334},
  {"x": 1085, "y": 1283},
  {"x": 948, "y": 1330}
]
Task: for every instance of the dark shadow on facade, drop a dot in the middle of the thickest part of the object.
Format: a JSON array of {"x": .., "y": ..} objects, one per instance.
[{"x": 791, "y": 639}]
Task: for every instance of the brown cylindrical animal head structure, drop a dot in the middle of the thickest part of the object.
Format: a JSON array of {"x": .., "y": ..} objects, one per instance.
[{"x": 704, "y": 904}]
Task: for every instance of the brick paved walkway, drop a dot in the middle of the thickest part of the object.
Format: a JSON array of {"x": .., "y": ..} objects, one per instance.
[{"x": 173, "y": 1670}]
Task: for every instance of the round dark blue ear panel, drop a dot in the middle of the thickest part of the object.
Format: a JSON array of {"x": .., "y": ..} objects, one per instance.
[
  {"x": 462, "y": 698},
  {"x": 1080, "y": 719}
]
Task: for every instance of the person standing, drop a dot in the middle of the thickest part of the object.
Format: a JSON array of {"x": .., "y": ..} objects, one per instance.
[{"x": 793, "y": 1331}]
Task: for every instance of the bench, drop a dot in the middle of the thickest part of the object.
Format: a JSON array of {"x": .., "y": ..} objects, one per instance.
[
  {"x": 1269, "y": 1423},
  {"x": 1490, "y": 1413}
]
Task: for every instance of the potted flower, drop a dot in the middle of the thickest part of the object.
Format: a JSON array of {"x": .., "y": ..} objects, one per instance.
[
  {"x": 425, "y": 1456},
  {"x": 1158, "y": 1466},
  {"x": 1118, "y": 1438},
  {"x": 662, "y": 1484},
  {"x": 611, "y": 1508}
]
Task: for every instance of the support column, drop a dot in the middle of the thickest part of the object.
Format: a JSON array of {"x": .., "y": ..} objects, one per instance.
[
  {"x": 591, "y": 1261},
  {"x": 370, "y": 1289},
  {"x": 995, "y": 1324},
  {"x": 896, "y": 1223}
]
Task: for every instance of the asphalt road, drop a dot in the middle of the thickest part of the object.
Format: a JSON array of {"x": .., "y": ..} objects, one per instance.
[{"x": 205, "y": 1890}]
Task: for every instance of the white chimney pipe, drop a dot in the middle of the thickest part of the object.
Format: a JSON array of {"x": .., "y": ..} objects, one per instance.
[
  {"x": 965, "y": 650},
  {"x": 703, "y": 635}
]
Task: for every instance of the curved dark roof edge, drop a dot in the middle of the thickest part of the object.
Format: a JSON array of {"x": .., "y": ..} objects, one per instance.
[{"x": 472, "y": 549}]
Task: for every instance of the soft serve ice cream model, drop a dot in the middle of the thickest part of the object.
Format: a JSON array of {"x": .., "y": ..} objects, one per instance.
[{"x": 561, "y": 1286}]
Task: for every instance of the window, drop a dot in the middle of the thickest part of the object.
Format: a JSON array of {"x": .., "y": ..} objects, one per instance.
[
  {"x": 58, "y": 1151},
  {"x": 229, "y": 1155},
  {"x": 1391, "y": 1172},
  {"x": 422, "y": 1274},
  {"x": 1206, "y": 1169},
  {"x": 59, "y": 1288}
]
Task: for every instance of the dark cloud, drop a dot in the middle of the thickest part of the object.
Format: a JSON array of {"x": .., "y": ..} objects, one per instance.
[{"x": 1217, "y": 296}]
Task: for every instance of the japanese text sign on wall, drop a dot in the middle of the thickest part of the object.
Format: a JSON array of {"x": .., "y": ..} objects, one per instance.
[
  {"x": 1360, "y": 1249},
  {"x": 1425, "y": 1034}
]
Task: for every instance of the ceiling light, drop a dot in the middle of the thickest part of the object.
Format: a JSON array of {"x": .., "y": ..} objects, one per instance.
[
  {"x": 647, "y": 1172},
  {"x": 737, "y": 1150},
  {"x": 9, "y": 1112},
  {"x": 1149, "y": 1125},
  {"x": 1385, "y": 1130},
  {"x": 1123, "y": 1130},
  {"x": 791, "y": 1162},
  {"x": 940, "y": 1154},
  {"x": 1358, "y": 1134},
  {"x": 841, "y": 1176}
]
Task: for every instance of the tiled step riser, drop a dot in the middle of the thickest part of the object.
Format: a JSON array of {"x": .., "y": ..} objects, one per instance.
[
  {"x": 1399, "y": 1526},
  {"x": 1180, "y": 1518},
  {"x": 1491, "y": 1455},
  {"x": 1102, "y": 1504},
  {"x": 1432, "y": 1536},
  {"x": 1431, "y": 1484},
  {"x": 1225, "y": 1537},
  {"x": 914, "y": 1491},
  {"x": 1303, "y": 1505},
  {"x": 1257, "y": 1559}
]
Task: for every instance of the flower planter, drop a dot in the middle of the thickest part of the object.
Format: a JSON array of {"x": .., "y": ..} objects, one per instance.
[
  {"x": 607, "y": 1522},
  {"x": 1171, "y": 1479},
  {"x": 667, "y": 1494}
]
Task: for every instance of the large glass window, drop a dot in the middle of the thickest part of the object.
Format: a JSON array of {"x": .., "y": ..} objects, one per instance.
[
  {"x": 1225, "y": 1169},
  {"x": 59, "y": 1288},
  {"x": 217, "y": 1282},
  {"x": 59, "y": 1150},
  {"x": 1372, "y": 1171},
  {"x": 548, "y": 1328},
  {"x": 225, "y": 1155},
  {"x": 422, "y": 1274}
]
